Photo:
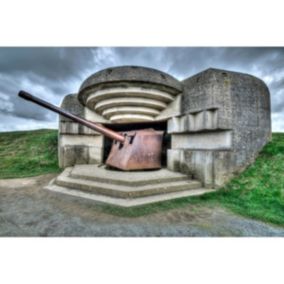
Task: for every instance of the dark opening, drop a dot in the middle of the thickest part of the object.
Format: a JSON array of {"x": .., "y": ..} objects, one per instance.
[{"x": 157, "y": 125}]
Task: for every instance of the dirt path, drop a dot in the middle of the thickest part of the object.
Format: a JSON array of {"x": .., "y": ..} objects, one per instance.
[{"x": 27, "y": 210}]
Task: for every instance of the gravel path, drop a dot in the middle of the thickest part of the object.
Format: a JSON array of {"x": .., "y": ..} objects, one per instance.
[{"x": 27, "y": 210}]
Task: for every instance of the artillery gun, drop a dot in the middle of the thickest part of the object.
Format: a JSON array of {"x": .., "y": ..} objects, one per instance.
[{"x": 131, "y": 150}]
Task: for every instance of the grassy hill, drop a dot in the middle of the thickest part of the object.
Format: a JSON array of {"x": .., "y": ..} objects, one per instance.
[
  {"x": 258, "y": 192},
  {"x": 28, "y": 153}
]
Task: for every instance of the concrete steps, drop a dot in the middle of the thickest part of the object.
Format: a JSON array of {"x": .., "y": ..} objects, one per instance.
[
  {"x": 124, "y": 188},
  {"x": 118, "y": 177},
  {"x": 123, "y": 191}
]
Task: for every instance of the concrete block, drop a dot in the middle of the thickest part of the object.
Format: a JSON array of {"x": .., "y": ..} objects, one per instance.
[
  {"x": 218, "y": 140},
  {"x": 95, "y": 155},
  {"x": 191, "y": 122},
  {"x": 174, "y": 125},
  {"x": 211, "y": 119},
  {"x": 200, "y": 165},
  {"x": 173, "y": 109},
  {"x": 68, "y": 127},
  {"x": 224, "y": 167},
  {"x": 79, "y": 149},
  {"x": 73, "y": 155},
  {"x": 199, "y": 121},
  {"x": 81, "y": 140},
  {"x": 173, "y": 159},
  {"x": 184, "y": 123}
]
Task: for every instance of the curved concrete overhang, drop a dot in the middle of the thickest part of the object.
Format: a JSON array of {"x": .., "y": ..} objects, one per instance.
[{"x": 129, "y": 93}]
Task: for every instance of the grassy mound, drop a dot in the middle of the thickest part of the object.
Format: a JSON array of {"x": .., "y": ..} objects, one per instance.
[
  {"x": 28, "y": 153},
  {"x": 259, "y": 191}
]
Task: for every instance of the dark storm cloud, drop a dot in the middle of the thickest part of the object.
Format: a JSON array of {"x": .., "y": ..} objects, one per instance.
[
  {"x": 48, "y": 72},
  {"x": 187, "y": 61},
  {"x": 148, "y": 57},
  {"x": 48, "y": 63},
  {"x": 51, "y": 73}
]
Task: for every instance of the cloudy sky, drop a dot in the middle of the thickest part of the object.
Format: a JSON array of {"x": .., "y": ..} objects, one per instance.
[{"x": 51, "y": 73}]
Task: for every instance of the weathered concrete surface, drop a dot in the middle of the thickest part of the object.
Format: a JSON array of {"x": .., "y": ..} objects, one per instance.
[
  {"x": 173, "y": 109},
  {"x": 123, "y": 104},
  {"x": 131, "y": 87},
  {"x": 27, "y": 210},
  {"x": 121, "y": 75},
  {"x": 228, "y": 103},
  {"x": 134, "y": 179},
  {"x": 77, "y": 144},
  {"x": 217, "y": 140}
]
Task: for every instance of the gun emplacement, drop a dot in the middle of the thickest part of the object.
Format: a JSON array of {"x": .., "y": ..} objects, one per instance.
[{"x": 136, "y": 150}]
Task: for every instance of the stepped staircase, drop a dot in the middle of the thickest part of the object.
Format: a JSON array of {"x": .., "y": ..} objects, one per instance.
[{"x": 125, "y": 189}]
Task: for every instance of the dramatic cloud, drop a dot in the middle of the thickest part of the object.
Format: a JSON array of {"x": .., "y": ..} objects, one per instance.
[{"x": 51, "y": 73}]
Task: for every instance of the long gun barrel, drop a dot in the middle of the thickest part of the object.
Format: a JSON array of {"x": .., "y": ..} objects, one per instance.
[{"x": 99, "y": 128}]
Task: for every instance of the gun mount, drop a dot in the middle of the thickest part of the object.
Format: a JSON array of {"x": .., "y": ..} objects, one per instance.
[{"x": 131, "y": 150}]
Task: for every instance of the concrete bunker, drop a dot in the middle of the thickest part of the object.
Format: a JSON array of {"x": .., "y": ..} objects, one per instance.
[{"x": 216, "y": 121}]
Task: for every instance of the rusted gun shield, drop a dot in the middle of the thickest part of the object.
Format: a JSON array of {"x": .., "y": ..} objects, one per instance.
[{"x": 142, "y": 149}]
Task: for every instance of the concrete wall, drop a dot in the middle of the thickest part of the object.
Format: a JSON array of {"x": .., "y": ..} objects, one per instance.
[
  {"x": 77, "y": 143},
  {"x": 224, "y": 123}
]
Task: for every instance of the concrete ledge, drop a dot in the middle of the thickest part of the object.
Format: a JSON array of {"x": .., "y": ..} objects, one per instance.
[
  {"x": 121, "y": 202},
  {"x": 119, "y": 191},
  {"x": 131, "y": 117},
  {"x": 94, "y": 140},
  {"x": 110, "y": 93},
  {"x": 74, "y": 128},
  {"x": 112, "y": 188},
  {"x": 194, "y": 122},
  {"x": 173, "y": 109},
  {"x": 136, "y": 178},
  {"x": 84, "y": 153},
  {"x": 128, "y": 102},
  {"x": 126, "y": 110},
  {"x": 218, "y": 140}
]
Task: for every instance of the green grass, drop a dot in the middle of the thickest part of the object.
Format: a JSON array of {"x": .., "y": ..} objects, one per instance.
[
  {"x": 258, "y": 192},
  {"x": 28, "y": 153}
]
